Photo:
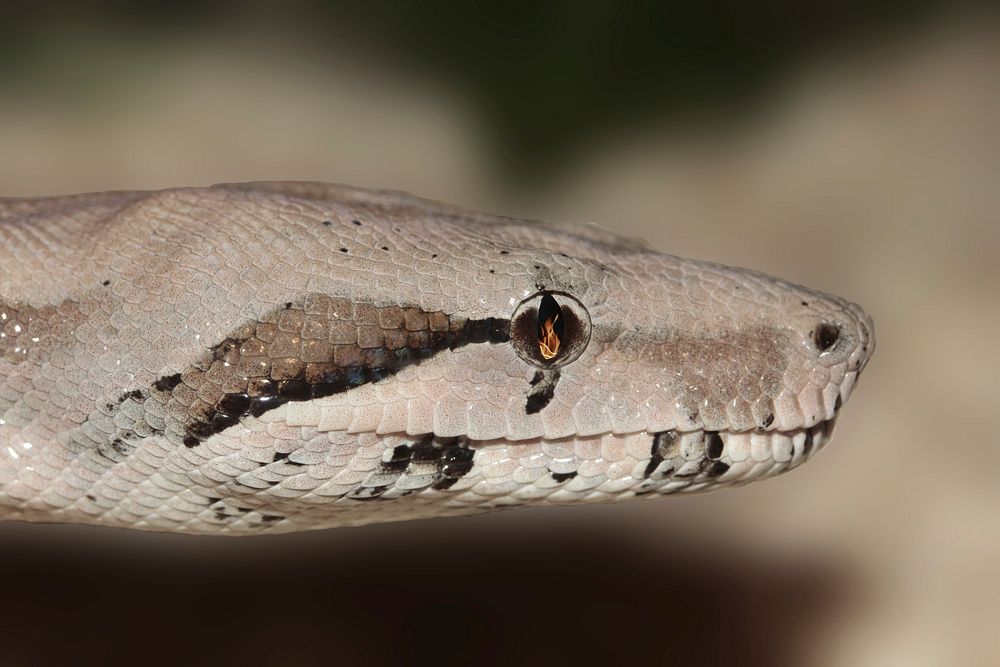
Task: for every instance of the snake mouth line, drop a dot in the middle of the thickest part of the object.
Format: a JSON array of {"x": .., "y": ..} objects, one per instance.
[{"x": 700, "y": 460}]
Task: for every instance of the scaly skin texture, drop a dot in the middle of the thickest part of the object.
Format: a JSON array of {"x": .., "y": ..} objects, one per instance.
[{"x": 274, "y": 357}]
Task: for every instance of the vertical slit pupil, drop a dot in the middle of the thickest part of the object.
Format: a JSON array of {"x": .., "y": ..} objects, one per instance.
[{"x": 551, "y": 327}]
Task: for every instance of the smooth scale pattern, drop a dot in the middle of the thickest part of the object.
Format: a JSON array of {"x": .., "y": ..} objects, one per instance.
[{"x": 272, "y": 357}]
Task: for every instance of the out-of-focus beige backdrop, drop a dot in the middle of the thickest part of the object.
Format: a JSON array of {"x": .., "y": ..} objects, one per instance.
[{"x": 868, "y": 167}]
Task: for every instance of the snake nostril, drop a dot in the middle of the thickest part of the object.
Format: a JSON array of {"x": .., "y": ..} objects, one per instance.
[{"x": 826, "y": 336}]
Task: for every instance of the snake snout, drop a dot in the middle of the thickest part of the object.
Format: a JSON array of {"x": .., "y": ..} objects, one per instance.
[
  {"x": 865, "y": 327},
  {"x": 838, "y": 331},
  {"x": 858, "y": 331},
  {"x": 853, "y": 349}
]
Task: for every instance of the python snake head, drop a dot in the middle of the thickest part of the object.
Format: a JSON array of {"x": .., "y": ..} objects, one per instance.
[{"x": 272, "y": 357}]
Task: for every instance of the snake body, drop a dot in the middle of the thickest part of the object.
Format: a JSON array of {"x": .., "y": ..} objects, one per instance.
[{"x": 272, "y": 357}]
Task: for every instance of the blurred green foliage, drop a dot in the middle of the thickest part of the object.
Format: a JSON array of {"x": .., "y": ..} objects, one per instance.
[{"x": 547, "y": 77}]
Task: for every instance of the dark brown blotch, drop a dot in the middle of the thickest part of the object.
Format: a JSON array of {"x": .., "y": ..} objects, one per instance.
[{"x": 301, "y": 352}]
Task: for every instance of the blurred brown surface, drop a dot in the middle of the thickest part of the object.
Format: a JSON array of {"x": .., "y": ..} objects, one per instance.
[
  {"x": 536, "y": 592},
  {"x": 868, "y": 169}
]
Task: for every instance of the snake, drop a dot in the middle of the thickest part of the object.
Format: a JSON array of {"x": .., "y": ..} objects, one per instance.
[{"x": 272, "y": 357}]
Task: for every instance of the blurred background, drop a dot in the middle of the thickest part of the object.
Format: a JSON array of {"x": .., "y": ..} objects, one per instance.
[{"x": 850, "y": 146}]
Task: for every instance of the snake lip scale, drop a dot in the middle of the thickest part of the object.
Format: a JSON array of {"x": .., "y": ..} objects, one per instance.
[{"x": 281, "y": 356}]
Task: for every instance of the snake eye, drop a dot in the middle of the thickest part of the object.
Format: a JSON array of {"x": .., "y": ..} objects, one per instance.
[{"x": 550, "y": 329}]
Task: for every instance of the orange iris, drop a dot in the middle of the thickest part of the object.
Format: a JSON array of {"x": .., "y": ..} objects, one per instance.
[{"x": 548, "y": 341}]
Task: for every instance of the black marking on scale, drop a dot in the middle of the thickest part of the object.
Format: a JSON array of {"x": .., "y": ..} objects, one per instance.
[
  {"x": 664, "y": 446},
  {"x": 543, "y": 390},
  {"x": 451, "y": 458}
]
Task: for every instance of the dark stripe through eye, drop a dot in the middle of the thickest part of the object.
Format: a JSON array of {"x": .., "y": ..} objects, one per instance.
[{"x": 299, "y": 352}]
